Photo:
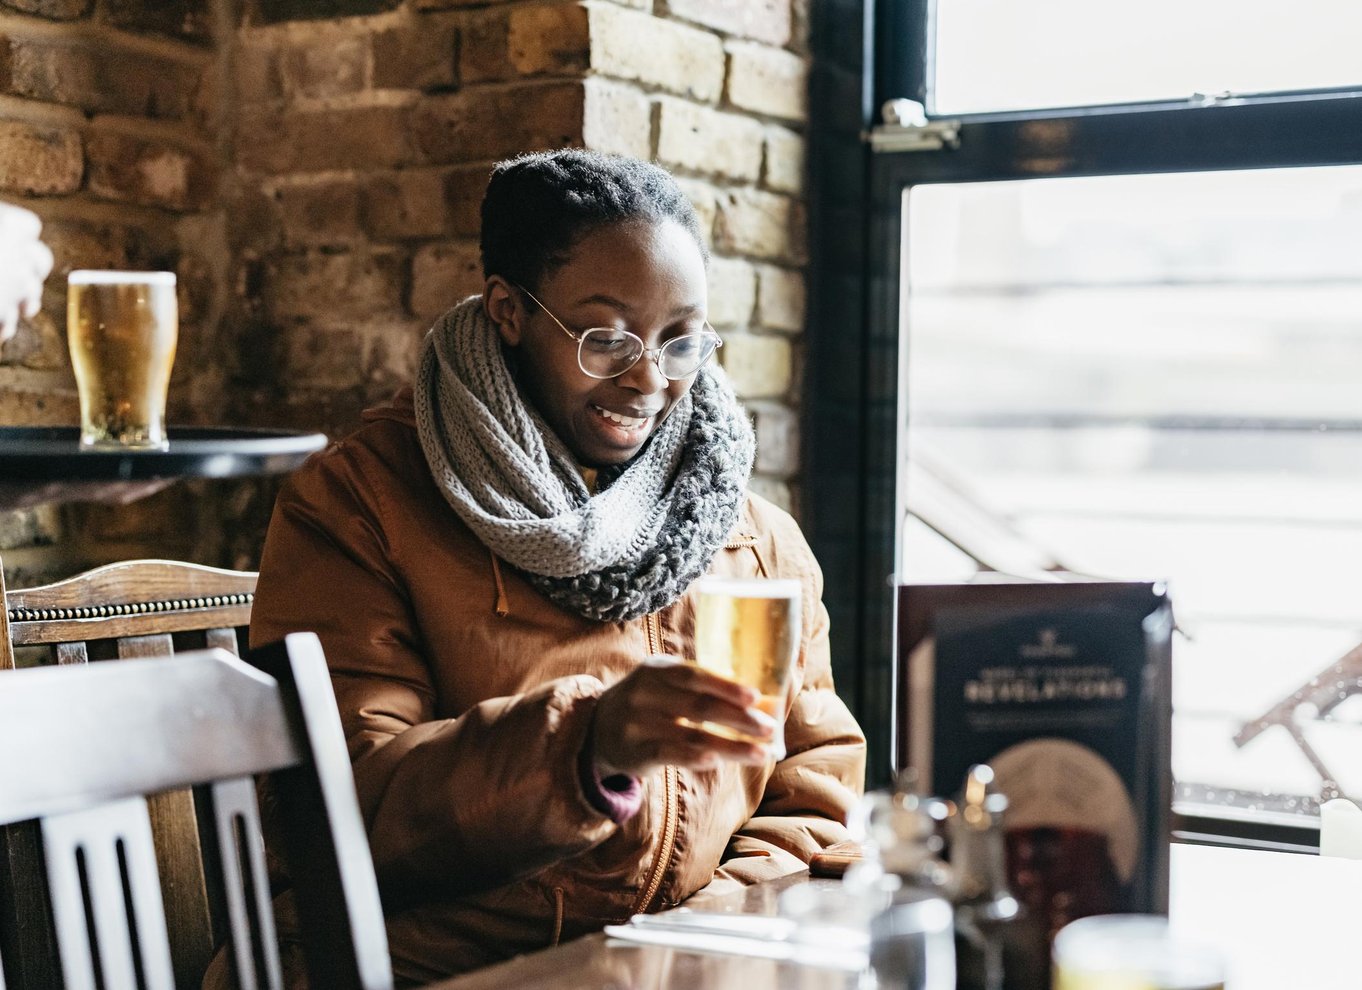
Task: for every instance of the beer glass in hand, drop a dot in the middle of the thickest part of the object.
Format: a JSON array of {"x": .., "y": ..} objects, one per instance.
[
  {"x": 122, "y": 329},
  {"x": 748, "y": 630}
]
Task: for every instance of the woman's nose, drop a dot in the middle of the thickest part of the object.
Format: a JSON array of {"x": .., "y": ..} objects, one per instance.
[{"x": 644, "y": 377}]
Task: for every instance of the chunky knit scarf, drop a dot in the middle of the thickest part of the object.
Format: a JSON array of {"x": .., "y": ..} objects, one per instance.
[{"x": 654, "y": 524}]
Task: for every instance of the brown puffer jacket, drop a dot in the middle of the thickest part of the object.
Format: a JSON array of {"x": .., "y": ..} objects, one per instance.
[{"x": 466, "y": 697}]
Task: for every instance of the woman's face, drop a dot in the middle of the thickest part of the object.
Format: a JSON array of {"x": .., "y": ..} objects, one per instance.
[{"x": 644, "y": 277}]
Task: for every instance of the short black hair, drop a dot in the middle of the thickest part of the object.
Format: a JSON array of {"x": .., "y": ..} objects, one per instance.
[{"x": 539, "y": 205}]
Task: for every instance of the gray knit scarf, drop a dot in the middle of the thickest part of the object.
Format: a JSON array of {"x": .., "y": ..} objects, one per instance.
[{"x": 634, "y": 547}]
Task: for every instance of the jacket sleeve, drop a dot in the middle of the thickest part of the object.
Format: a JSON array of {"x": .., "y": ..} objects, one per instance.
[
  {"x": 452, "y": 805},
  {"x": 809, "y": 793}
]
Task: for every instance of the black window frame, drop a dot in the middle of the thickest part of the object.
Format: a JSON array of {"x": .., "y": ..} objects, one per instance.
[{"x": 852, "y": 380}]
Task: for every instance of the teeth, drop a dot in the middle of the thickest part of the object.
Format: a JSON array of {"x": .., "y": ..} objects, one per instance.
[{"x": 626, "y": 421}]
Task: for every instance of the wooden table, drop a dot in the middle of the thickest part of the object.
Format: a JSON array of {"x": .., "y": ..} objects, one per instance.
[{"x": 1284, "y": 922}]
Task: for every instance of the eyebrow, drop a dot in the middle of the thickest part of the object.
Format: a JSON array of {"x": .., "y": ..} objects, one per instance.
[{"x": 624, "y": 308}]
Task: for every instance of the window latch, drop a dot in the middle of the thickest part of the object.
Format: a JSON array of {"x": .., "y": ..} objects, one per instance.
[{"x": 904, "y": 127}]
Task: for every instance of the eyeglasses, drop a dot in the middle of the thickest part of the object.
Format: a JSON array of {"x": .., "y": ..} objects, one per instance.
[{"x": 605, "y": 352}]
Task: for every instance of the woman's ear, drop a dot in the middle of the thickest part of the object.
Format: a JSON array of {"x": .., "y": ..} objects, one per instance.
[{"x": 501, "y": 302}]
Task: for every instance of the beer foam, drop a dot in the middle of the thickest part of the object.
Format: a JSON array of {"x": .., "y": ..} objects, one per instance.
[
  {"x": 749, "y": 587},
  {"x": 89, "y": 277}
]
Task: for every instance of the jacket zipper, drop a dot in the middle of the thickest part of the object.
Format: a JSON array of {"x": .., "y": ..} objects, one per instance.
[
  {"x": 653, "y": 627},
  {"x": 668, "y": 847}
]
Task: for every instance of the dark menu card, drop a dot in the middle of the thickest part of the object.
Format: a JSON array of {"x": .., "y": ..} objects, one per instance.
[{"x": 1064, "y": 690}]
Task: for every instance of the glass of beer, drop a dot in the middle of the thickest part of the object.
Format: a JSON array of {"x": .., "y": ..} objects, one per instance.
[
  {"x": 748, "y": 630},
  {"x": 1132, "y": 952},
  {"x": 122, "y": 328}
]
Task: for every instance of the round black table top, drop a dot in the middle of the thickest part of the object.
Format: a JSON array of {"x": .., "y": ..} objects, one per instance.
[{"x": 46, "y": 463}]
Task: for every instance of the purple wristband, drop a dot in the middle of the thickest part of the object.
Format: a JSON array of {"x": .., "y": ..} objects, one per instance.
[{"x": 618, "y": 796}]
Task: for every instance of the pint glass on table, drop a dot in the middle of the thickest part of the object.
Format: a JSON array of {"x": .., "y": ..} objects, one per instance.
[
  {"x": 1132, "y": 952},
  {"x": 122, "y": 329},
  {"x": 748, "y": 630}
]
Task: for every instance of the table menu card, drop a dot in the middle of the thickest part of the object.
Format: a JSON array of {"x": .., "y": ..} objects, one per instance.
[{"x": 1063, "y": 689}]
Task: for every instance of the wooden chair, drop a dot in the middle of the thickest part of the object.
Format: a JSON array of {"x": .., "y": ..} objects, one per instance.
[
  {"x": 112, "y": 733},
  {"x": 140, "y": 608},
  {"x": 136, "y": 608}
]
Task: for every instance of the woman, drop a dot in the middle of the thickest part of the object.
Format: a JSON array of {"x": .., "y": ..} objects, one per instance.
[{"x": 497, "y": 564}]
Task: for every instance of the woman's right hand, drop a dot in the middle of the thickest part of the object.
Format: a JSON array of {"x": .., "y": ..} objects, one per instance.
[{"x": 639, "y": 720}]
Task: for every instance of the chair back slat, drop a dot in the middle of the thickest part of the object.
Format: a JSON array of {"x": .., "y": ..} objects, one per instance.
[
  {"x": 69, "y": 653},
  {"x": 245, "y": 884},
  {"x": 106, "y": 902},
  {"x": 209, "y": 721},
  {"x": 149, "y": 645}
]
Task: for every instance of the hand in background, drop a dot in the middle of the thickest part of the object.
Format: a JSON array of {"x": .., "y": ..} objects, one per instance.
[
  {"x": 25, "y": 262},
  {"x": 639, "y": 720}
]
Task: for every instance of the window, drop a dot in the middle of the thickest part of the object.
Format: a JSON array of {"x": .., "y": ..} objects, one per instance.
[
  {"x": 1007, "y": 55},
  {"x": 1130, "y": 336}
]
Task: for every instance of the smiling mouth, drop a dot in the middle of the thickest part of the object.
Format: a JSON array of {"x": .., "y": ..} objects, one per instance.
[{"x": 622, "y": 421}]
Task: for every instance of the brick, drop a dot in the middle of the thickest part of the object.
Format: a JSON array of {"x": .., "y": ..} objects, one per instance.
[
  {"x": 391, "y": 351},
  {"x": 784, "y": 161},
  {"x": 422, "y": 56},
  {"x": 464, "y": 188},
  {"x": 40, "y": 344},
  {"x": 548, "y": 40},
  {"x": 780, "y": 299},
  {"x": 772, "y": 490},
  {"x": 100, "y": 78},
  {"x": 325, "y": 356},
  {"x": 322, "y": 140},
  {"x": 77, "y": 244},
  {"x": 801, "y": 20},
  {"x": 327, "y": 287},
  {"x": 57, "y": 10},
  {"x": 703, "y": 197},
  {"x": 39, "y": 404},
  {"x": 777, "y": 430},
  {"x": 329, "y": 64},
  {"x": 641, "y": 48},
  {"x": 255, "y": 71},
  {"x": 279, "y": 11},
  {"x": 319, "y": 212},
  {"x": 732, "y": 292},
  {"x": 148, "y": 172},
  {"x": 699, "y": 139},
  {"x": 484, "y": 53},
  {"x": 759, "y": 367},
  {"x": 768, "y": 81},
  {"x": 191, "y": 20},
  {"x": 616, "y": 119},
  {"x": 537, "y": 40},
  {"x": 479, "y": 125},
  {"x": 759, "y": 223},
  {"x": 762, "y": 20},
  {"x": 29, "y": 526},
  {"x": 39, "y": 160},
  {"x": 410, "y": 203},
  {"x": 441, "y": 275}
]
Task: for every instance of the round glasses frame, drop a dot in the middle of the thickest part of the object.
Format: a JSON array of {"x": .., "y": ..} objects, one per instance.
[{"x": 708, "y": 336}]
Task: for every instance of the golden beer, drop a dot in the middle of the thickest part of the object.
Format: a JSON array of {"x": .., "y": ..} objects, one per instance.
[
  {"x": 748, "y": 630},
  {"x": 1132, "y": 952},
  {"x": 122, "y": 329}
]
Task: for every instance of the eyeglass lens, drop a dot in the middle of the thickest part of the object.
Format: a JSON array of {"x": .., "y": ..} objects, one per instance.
[{"x": 605, "y": 353}]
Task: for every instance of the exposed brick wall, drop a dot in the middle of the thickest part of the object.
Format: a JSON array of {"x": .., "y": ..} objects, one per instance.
[
  {"x": 313, "y": 171},
  {"x": 108, "y": 131},
  {"x": 363, "y": 145}
]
